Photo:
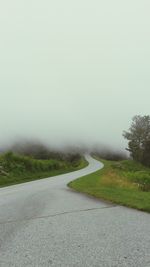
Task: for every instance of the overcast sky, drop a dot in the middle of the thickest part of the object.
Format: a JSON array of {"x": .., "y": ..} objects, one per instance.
[{"x": 73, "y": 71}]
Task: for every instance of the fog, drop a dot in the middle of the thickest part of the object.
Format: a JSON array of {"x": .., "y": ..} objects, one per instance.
[{"x": 73, "y": 72}]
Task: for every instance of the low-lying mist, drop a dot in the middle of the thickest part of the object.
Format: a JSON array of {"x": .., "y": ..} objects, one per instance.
[{"x": 39, "y": 150}]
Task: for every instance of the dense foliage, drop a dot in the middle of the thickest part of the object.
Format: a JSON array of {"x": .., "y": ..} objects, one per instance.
[{"x": 109, "y": 154}]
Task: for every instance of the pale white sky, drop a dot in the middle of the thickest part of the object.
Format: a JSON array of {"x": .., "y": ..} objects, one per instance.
[{"x": 73, "y": 71}]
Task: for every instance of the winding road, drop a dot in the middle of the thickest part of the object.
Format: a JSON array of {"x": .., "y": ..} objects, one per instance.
[{"x": 44, "y": 223}]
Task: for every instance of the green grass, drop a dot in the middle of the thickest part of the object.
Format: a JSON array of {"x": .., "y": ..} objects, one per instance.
[
  {"x": 16, "y": 169},
  {"x": 125, "y": 182}
]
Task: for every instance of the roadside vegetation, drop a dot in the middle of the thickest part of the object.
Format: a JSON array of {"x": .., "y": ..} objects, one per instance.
[
  {"x": 18, "y": 168},
  {"x": 124, "y": 182}
]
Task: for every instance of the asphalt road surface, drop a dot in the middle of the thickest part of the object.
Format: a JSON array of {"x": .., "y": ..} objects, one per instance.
[{"x": 44, "y": 223}]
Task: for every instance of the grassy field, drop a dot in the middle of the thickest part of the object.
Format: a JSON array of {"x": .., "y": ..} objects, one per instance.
[
  {"x": 16, "y": 169},
  {"x": 124, "y": 182}
]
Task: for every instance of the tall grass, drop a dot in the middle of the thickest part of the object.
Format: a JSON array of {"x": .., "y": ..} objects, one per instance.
[
  {"x": 124, "y": 182},
  {"x": 17, "y": 163},
  {"x": 135, "y": 173}
]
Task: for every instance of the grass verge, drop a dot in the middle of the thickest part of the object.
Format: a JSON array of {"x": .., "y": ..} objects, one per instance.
[
  {"x": 15, "y": 169},
  {"x": 125, "y": 182}
]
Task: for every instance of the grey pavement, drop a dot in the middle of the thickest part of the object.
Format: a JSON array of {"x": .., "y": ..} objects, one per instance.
[{"x": 44, "y": 223}]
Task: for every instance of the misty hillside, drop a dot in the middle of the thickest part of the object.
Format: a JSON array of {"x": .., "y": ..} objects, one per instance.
[{"x": 17, "y": 168}]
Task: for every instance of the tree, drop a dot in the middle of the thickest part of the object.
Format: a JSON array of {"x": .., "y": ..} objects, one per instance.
[
  {"x": 139, "y": 139},
  {"x": 146, "y": 154}
]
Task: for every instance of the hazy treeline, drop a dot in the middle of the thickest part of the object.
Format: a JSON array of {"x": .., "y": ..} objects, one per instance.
[
  {"x": 40, "y": 151},
  {"x": 109, "y": 154}
]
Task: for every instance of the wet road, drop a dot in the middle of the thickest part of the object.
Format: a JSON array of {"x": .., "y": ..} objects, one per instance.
[{"x": 44, "y": 223}]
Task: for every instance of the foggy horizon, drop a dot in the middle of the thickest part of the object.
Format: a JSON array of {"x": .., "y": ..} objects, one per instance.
[{"x": 73, "y": 73}]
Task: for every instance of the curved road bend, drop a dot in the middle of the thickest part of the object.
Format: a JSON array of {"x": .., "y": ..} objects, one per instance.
[{"x": 44, "y": 223}]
